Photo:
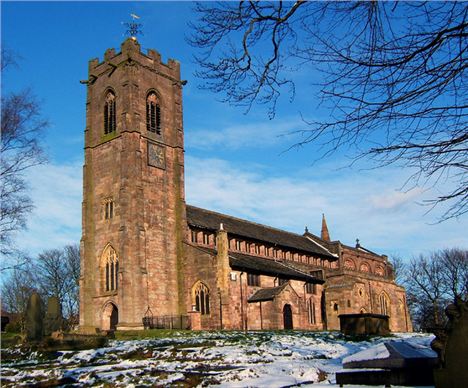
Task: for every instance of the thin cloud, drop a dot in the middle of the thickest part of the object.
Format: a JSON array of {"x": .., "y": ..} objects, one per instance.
[
  {"x": 262, "y": 134},
  {"x": 56, "y": 219},
  {"x": 294, "y": 201}
]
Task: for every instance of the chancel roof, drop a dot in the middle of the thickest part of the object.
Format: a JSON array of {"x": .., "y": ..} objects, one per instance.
[{"x": 207, "y": 219}]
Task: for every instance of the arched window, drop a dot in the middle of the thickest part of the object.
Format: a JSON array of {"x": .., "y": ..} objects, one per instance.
[
  {"x": 111, "y": 268},
  {"x": 384, "y": 304},
  {"x": 201, "y": 295},
  {"x": 364, "y": 267},
  {"x": 109, "y": 113},
  {"x": 311, "y": 310},
  {"x": 153, "y": 114},
  {"x": 349, "y": 264}
]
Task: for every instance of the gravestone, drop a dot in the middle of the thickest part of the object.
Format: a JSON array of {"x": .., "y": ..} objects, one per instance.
[
  {"x": 364, "y": 324},
  {"x": 451, "y": 346},
  {"x": 397, "y": 362},
  {"x": 34, "y": 318},
  {"x": 53, "y": 319}
]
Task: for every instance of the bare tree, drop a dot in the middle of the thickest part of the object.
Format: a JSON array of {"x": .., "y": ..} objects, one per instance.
[
  {"x": 16, "y": 289},
  {"x": 56, "y": 275},
  {"x": 55, "y": 272},
  {"x": 392, "y": 77},
  {"x": 20, "y": 149},
  {"x": 399, "y": 268},
  {"x": 72, "y": 264},
  {"x": 433, "y": 282},
  {"x": 427, "y": 291},
  {"x": 455, "y": 271}
]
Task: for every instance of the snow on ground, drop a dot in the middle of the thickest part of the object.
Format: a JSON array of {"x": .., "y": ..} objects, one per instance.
[{"x": 217, "y": 359}]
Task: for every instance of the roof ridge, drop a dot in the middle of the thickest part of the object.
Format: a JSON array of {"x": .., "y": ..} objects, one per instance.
[{"x": 250, "y": 222}]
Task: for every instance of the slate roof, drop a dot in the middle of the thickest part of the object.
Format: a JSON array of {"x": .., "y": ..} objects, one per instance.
[
  {"x": 255, "y": 264},
  {"x": 207, "y": 219},
  {"x": 265, "y": 294},
  {"x": 270, "y": 267}
]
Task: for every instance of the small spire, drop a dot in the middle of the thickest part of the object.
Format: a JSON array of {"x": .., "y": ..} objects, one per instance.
[
  {"x": 324, "y": 234},
  {"x": 357, "y": 243},
  {"x": 306, "y": 229}
]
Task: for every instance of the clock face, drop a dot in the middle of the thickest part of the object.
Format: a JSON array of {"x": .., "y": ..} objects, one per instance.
[{"x": 156, "y": 156}]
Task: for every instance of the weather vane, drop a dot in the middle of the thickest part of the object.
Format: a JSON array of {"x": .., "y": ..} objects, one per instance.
[{"x": 133, "y": 27}]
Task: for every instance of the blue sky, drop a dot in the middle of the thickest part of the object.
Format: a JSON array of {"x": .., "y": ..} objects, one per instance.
[{"x": 235, "y": 163}]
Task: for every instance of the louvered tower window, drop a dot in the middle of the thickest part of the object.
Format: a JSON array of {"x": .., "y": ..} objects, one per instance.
[
  {"x": 153, "y": 114},
  {"x": 109, "y": 113}
]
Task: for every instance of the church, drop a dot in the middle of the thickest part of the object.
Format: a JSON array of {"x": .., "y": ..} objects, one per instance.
[{"x": 149, "y": 259}]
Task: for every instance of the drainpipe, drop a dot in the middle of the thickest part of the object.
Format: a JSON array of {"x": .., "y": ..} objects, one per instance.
[
  {"x": 220, "y": 311},
  {"x": 370, "y": 298},
  {"x": 261, "y": 317},
  {"x": 242, "y": 300}
]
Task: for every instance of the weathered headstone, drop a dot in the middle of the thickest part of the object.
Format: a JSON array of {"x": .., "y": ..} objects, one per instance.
[
  {"x": 397, "y": 362},
  {"x": 34, "y": 318},
  {"x": 53, "y": 320},
  {"x": 451, "y": 346},
  {"x": 364, "y": 324}
]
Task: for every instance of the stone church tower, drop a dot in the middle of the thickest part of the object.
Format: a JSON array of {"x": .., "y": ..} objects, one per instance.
[{"x": 133, "y": 190}]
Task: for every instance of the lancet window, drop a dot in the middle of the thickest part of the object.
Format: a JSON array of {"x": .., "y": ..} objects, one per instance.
[
  {"x": 109, "y": 113},
  {"x": 153, "y": 114}
]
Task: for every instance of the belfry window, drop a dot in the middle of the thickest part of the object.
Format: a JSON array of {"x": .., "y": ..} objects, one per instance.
[
  {"x": 202, "y": 298},
  {"x": 111, "y": 269},
  {"x": 109, "y": 113},
  {"x": 153, "y": 114}
]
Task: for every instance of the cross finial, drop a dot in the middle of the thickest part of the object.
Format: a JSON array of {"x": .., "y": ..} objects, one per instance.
[{"x": 357, "y": 243}]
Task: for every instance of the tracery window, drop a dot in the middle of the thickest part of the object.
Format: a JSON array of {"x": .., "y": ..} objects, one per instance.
[
  {"x": 153, "y": 114},
  {"x": 202, "y": 298},
  {"x": 109, "y": 113},
  {"x": 311, "y": 288},
  {"x": 311, "y": 310},
  {"x": 111, "y": 269},
  {"x": 384, "y": 304}
]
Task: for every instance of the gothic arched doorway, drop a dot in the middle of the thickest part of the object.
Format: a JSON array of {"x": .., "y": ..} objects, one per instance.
[
  {"x": 110, "y": 317},
  {"x": 287, "y": 317}
]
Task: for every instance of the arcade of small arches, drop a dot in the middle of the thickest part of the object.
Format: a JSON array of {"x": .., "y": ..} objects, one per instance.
[{"x": 350, "y": 265}]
